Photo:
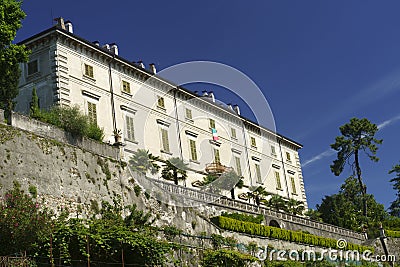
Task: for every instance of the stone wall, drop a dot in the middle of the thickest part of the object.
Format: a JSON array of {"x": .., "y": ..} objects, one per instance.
[{"x": 71, "y": 173}]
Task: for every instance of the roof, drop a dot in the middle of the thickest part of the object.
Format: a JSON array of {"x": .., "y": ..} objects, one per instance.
[{"x": 57, "y": 28}]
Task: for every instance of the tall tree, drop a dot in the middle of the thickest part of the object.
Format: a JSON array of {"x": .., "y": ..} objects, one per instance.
[
  {"x": 142, "y": 161},
  {"x": 394, "y": 208},
  {"x": 174, "y": 170},
  {"x": 345, "y": 209},
  {"x": 10, "y": 54},
  {"x": 358, "y": 135}
]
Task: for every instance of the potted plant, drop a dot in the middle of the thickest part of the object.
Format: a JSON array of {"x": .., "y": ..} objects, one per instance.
[{"x": 118, "y": 136}]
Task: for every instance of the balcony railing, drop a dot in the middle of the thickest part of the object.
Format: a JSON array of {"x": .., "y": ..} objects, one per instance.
[{"x": 218, "y": 200}]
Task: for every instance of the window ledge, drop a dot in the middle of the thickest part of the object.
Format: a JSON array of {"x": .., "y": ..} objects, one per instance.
[
  {"x": 165, "y": 152},
  {"x": 131, "y": 141},
  {"x": 189, "y": 120},
  {"x": 161, "y": 108},
  {"x": 126, "y": 93},
  {"x": 194, "y": 161},
  {"x": 280, "y": 189},
  {"x": 86, "y": 77}
]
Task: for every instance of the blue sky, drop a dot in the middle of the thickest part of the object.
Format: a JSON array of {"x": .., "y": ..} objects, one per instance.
[{"x": 318, "y": 63}]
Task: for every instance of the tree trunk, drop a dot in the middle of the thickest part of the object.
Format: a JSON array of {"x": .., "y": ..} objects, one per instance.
[
  {"x": 363, "y": 188},
  {"x": 175, "y": 177},
  {"x": 233, "y": 193}
]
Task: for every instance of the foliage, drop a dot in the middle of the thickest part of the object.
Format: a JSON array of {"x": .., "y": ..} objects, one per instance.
[
  {"x": 71, "y": 120},
  {"x": 244, "y": 217},
  {"x": 137, "y": 190},
  {"x": 224, "y": 257},
  {"x": 34, "y": 110},
  {"x": 356, "y": 135},
  {"x": 10, "y": 54},
  {"x": 171, "y": 231},
  {"x": 281, "y": 234},
  {"x": 258, "y": 194},
  {"x": 174, "y": 170},
  {"x": 313, "y": 215},
  {"x": 394, "y": 234},
  {"x": 392, "y": 223},
  {"x": 345, "y": 209},
  {"x": 142, "y": 161},
  {"x": 394, "y": 208},
  {"x": 23, "y": 224}
]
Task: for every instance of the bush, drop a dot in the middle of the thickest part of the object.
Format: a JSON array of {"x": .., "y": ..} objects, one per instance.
[
  {"x": 71, "y": 120},
  {"x": 281, "y": 234},
  {"x": 244, "y": 217}
]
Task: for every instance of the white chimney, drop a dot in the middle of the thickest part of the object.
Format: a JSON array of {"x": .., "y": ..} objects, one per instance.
[
  {"x": 211, "y": 95},
  {"x": 106, "y": 46},
  {"x": 69, "y": 27},
  {"x": 230, "y": 106},
  {"x": 205, "y": 93},
  {"x": 140, "y": 63},
  {"x": 153, "y": 68},
  {"x": 96, "y": 43},
  {"x": 114, "y": 49},
  {"x": 236, "y": 109}
]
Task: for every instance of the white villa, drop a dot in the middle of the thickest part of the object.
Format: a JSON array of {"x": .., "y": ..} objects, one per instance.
[{"x": 155, "y": 114}]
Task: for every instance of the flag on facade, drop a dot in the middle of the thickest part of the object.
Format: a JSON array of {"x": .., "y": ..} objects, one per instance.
[{"x": 214, "y": 134}]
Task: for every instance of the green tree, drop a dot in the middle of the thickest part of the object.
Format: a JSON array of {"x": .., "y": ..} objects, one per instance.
[
  {"x": 345, "y": 209},
  {"x": 142, "y": 161},
  {"x": 258, "y": 194},
  {"x": 225, "y": 257},
  {"x": 10, "y": 54},
  {"x": 277, "y": 203},
  {"x": 394, "y": 208},
  {"x": 313, "y": 215},
  {"x": 34, "y": 110},
  {"x": 23, "y": 223},
  {"x": 174, "y": 170},
  {"x": 358, "y": 135}
]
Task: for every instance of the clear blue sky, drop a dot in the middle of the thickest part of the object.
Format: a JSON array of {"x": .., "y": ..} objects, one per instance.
[{"x": 319, "y": 63}]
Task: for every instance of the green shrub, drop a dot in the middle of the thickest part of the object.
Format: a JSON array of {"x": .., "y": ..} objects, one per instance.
[
  {"x": 390, "y": 233},
  {"x": 244, "y": 217},
  {"x": 137, "y": 190},
  {"x": 71, "y": 120},
  {"x": 281, "y": 234}
]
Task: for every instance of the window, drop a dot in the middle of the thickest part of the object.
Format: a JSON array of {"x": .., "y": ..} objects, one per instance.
[
  {"x": 33, "y": 67},
  {"x": 258, "y": 173},
  {"x": 92, "y": 112},
  {"x": 217, "y": 158},
  {"x": 273, "y": 152},
  {"x": 288, "y": 156},
  {"x": 212, "y": 123},
  {"x": 164, "y": 140},
  {"x": 188, "y": 114},
  {"x": 193, "y": 151},
  {"x": 130, "y": 131},
  {"x": 126, "y": 87},
  {"x": 253, "y": 142},
  {"x": 89, "y": 71},
  {"x": 278, "y": 181},
  {"x": 160, "y": 102},
  {"x": 238, "y": 167},
  {"x": 293, "y": 185},
  {"x": 233, "y": 133}
]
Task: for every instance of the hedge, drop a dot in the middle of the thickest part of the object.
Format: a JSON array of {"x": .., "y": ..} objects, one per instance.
[
  {"x": 281, "y": 234},
  {"x": 390, "y": 233}
]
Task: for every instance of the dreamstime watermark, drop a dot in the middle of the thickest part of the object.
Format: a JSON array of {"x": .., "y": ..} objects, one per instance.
[{"x": 332, "y": 255}]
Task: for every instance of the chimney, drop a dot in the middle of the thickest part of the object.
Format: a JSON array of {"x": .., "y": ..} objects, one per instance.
[
  {"x": 205, "y": 93},
  {"x": 211, "y": 95},
  {"x": 106, "y": 46},
  {"x": 96, "y": 43},
  {"x": 153, "y": 68},
  {"x": 60, "y": 22},
  {"x": 114, "y": 49},
  {"x": 230, "y": 106},
  {"x": 236, "y": 109},
  {"x": 140, "y": 63},
  {"x": 69, "y": 27}
]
